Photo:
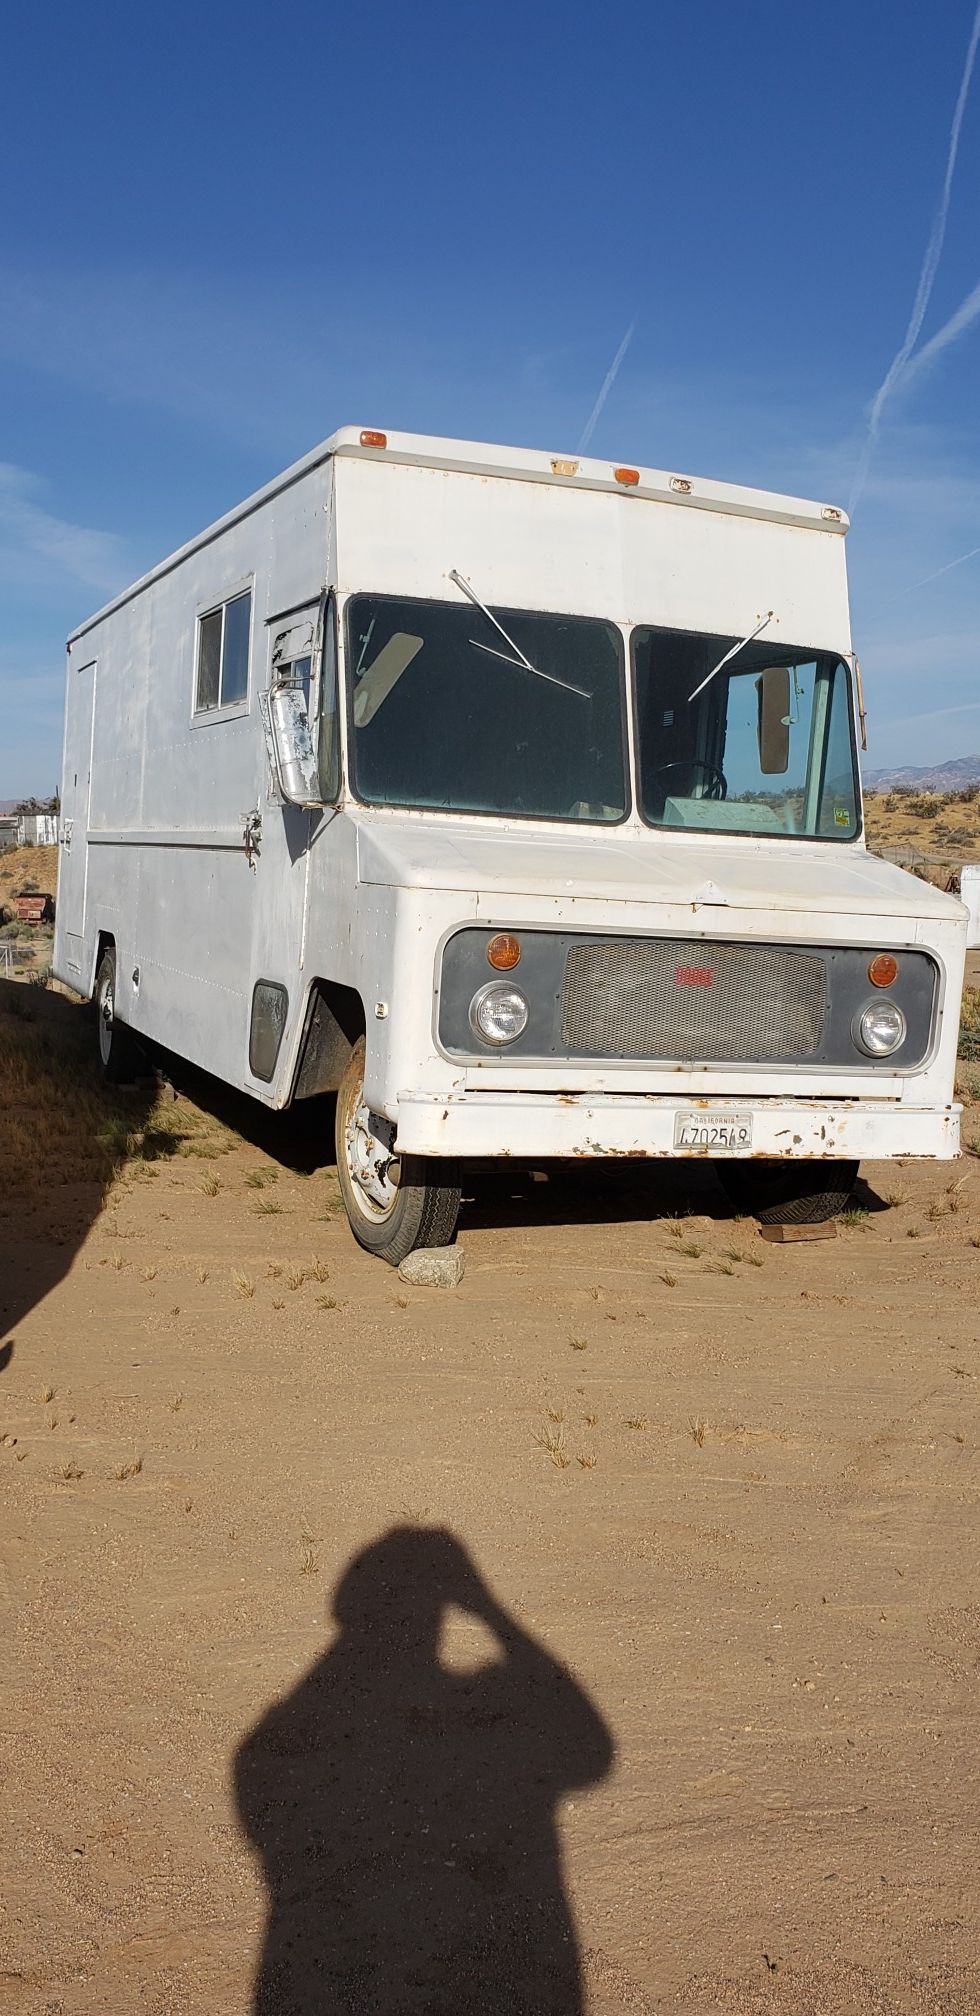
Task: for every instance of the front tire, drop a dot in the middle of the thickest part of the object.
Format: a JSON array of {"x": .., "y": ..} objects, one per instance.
[
  {"x": 118, "y": 1052},
  {"x": 788, "y": 1193},
  {"x": 393, "y": 1203}
]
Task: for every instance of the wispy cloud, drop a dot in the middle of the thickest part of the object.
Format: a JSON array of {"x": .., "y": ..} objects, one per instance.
[
  {"x": 31, "y": 534},
  {"x": 605, "y": 389},
  {"x": 898, "y": 368}
]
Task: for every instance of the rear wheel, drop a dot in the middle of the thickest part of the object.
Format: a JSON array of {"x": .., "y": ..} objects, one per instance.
[
  {"x": 394, "y": 1203},
  {"x": 789, "y": 1193},
  {"x": 118, "y": 1051}
]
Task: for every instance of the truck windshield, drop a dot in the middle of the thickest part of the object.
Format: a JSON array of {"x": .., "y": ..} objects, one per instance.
[
  {"x": 445, "y": 717},
  {"x": 767, "y": 747}
]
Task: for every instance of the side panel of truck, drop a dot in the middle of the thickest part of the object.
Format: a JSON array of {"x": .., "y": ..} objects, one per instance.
[{"x": 196, "y": 914}]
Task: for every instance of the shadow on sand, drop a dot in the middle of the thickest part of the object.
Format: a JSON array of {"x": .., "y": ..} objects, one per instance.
[
  {"x": 62, "y": 1139},
  {"x": 405, "y": 1812}
]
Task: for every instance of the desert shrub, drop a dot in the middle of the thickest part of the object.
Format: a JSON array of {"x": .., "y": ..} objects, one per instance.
[{"x": 969, "y": 1045}]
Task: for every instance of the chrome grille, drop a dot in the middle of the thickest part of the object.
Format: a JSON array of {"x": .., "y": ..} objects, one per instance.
[{"x": 690, "y": 1000}]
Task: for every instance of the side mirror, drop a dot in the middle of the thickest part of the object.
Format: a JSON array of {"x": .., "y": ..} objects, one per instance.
[
  {"x": 291, "y": 745},
  {"x": 772, "y": 687},
  {"x": 970, "y": 895}
]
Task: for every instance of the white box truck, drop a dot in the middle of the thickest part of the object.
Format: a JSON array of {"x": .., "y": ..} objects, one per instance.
[{"x": 515, "y": 798}]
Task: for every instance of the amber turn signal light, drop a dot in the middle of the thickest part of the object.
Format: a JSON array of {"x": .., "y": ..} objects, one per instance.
[
  {"x": 504, "y": 952},
  {"x": 370, "y": 438},
  {"x": 629, "y": 477},
  {"x": 883, "y": 969}
]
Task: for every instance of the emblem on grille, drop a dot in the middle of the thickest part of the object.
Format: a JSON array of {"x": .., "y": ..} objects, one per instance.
[{"x": 694, "y": 976}]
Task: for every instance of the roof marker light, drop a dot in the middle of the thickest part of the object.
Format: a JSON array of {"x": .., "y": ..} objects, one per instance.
[
  {"x": 682, "y": 485},
  {"x": 628, "y": 477},
  {"x": 372, "y": 438},
  {"x": 832, "y": 512}
]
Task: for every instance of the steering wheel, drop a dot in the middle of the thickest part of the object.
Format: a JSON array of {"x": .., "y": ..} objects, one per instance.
[{"x": 717, "y": 781}]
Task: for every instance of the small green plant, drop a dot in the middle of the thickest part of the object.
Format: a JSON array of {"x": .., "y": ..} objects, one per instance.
[{"x": 854, "y": 1219}]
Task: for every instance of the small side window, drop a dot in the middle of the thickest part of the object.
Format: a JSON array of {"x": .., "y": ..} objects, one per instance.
[{"x": 222, "y": 654}]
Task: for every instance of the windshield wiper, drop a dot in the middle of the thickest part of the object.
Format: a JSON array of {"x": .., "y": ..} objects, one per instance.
[
  {"x": 518, "y": 655},
  {"x": 740, "y": 646}
]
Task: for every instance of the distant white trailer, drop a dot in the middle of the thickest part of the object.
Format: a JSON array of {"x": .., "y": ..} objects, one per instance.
[{"x": 514, "y": 797}]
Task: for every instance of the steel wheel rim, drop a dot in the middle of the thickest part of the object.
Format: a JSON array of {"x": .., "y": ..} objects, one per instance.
[
  {"x": 356, "y": 1134},
  {"x": 106, "y": 1012}
]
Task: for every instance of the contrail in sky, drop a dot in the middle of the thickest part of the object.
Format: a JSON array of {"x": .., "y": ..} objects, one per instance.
[
  {"x": 610, "y": 379},
  {"x": 966, "y": 313},
  {"x": 950, "y": 564},
  {"x": 896, "y": 369}
]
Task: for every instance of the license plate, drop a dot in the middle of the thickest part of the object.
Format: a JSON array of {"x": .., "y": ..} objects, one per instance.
[{"x": 713, "y": 1133}]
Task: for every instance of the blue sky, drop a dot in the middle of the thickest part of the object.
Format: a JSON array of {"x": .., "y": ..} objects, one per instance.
[{"x": 228, "y": 230}]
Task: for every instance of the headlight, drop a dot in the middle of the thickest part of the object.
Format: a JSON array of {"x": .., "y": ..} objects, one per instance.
[
  {"x": 498, "y": 1014},
  {"x": 881, "y": 1029}
]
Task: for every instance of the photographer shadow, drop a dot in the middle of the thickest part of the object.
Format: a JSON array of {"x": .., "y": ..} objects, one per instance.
[{"x": 405, "y": 1812}]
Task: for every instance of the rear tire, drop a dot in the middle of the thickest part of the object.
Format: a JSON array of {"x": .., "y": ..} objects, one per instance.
[
  {"x": 118, "y": 1050},
  {"x": 395, "y": 1203},
  {"x": 788, "y": 1193}
]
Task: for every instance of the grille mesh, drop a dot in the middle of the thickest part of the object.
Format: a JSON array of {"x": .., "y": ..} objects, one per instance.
[{"x": 672, "y": 998}]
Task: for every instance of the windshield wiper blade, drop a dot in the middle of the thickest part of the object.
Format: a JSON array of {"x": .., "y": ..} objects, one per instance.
[
  {"x": 518, "y": 657},
  {"x": 736, "y": 648}
]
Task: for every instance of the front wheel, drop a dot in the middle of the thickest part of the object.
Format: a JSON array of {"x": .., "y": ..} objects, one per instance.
[
  {"x": 789, "y": 1193},
  {"x": 394, "y": 1203}
]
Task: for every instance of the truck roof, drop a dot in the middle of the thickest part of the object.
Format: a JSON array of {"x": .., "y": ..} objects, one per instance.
[{"x": 529, "y": 465}]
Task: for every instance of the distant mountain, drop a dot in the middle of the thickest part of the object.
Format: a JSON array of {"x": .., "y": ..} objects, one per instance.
[{"x": 952, "y": 776}]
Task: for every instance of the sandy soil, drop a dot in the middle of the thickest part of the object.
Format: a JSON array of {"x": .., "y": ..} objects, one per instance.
[{"x": 659, "y": 1692}]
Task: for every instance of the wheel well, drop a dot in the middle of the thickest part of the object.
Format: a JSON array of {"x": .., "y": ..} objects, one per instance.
[
  {"x": 105, "y": 939},
  {"x": 334, "y": 1022}
]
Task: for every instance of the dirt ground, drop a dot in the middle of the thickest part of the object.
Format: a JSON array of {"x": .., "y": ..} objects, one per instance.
[{"x": 602, "y": 1635}]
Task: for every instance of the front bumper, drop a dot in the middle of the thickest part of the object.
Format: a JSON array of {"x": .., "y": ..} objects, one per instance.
[{"x": 589, "y": 1124}]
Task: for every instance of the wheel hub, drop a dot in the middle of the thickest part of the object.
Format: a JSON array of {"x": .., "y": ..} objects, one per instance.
[{"x": 372, "y": 1165}]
